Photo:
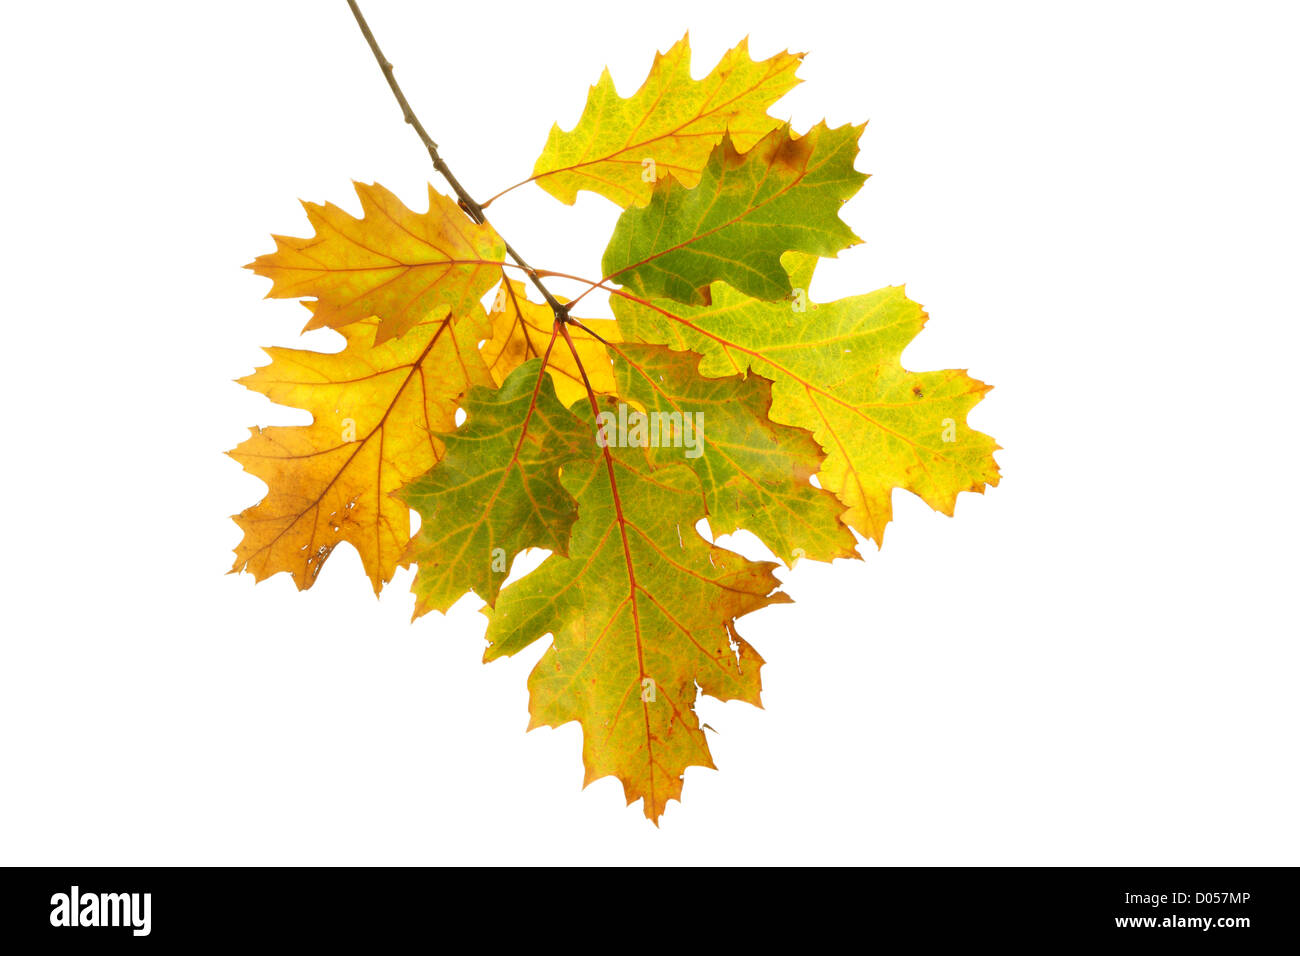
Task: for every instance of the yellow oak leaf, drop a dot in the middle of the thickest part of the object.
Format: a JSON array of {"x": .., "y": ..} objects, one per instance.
[
  {"x": 621, "y": 147},
  {"x": 521, "y": 330},
  {"x": 402, "y": 266},
  {"x": 376, "y": 416},
  {"x": 836, "y": 370}
]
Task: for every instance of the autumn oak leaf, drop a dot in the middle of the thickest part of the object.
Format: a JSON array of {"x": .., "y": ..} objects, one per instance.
[
  {"x": 620, "y": 147},
  {"x": 783, "y": 194},
  {"x": 836, "y": 370},
  {"x": 642, "y": 611},
  {"x": 402, "y": 266},
  {"x": 496, "y": 490},
  {"x": 377, "y": 413},
  {"x": 755, "y": 473}
]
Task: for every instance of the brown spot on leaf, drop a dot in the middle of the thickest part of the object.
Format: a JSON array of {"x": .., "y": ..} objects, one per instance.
[{"x": 790, "y": 153}]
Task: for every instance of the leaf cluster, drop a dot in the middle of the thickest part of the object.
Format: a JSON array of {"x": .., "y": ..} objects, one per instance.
[{"x": 717, "y": 396}]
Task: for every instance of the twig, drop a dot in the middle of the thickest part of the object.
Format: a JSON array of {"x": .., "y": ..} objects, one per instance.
[
  {"x": 578, "y": 324},
  {"x": 562, "y": 323},
  {"x": 472, "y": 209}
]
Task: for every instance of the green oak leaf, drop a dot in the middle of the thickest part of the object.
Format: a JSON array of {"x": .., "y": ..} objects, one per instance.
[
  {"x": 784, "y": 194},
  {"x": 754, "y": 472},
  {"x": 496, "y": 491}
]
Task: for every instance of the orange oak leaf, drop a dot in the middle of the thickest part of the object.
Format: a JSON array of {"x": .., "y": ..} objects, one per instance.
[
  {"x": 376, "y": 415},
  {"x": 402, "y": 266}
]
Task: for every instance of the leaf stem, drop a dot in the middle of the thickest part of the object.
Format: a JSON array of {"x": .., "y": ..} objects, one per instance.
[
  {"x": 522, "y": 182},
  {"x": 633, "y": 587},
  {"x": 467, "y": 203}
]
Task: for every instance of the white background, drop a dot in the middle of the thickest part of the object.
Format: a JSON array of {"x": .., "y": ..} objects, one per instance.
[{"x": 1094, "y": 663}]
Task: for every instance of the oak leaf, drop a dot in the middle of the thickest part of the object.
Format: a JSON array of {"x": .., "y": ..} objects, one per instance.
[
  {"x": 836, "y": 370},
  {"x": 642, "y": 611},
  {"x": 784, "y": 194},
  {"x": 755, "y": 473},
  {"x": 496, "y": 490},
  {"x": 377, "y": 413},
  {"x": 403, "y": 266},
  {"x": 620, "y": 147}
]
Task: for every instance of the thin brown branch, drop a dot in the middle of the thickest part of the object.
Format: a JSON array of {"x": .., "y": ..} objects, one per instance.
[
  {"x": 577, "y": 323},
  {"x": 472, "y": 208}
]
